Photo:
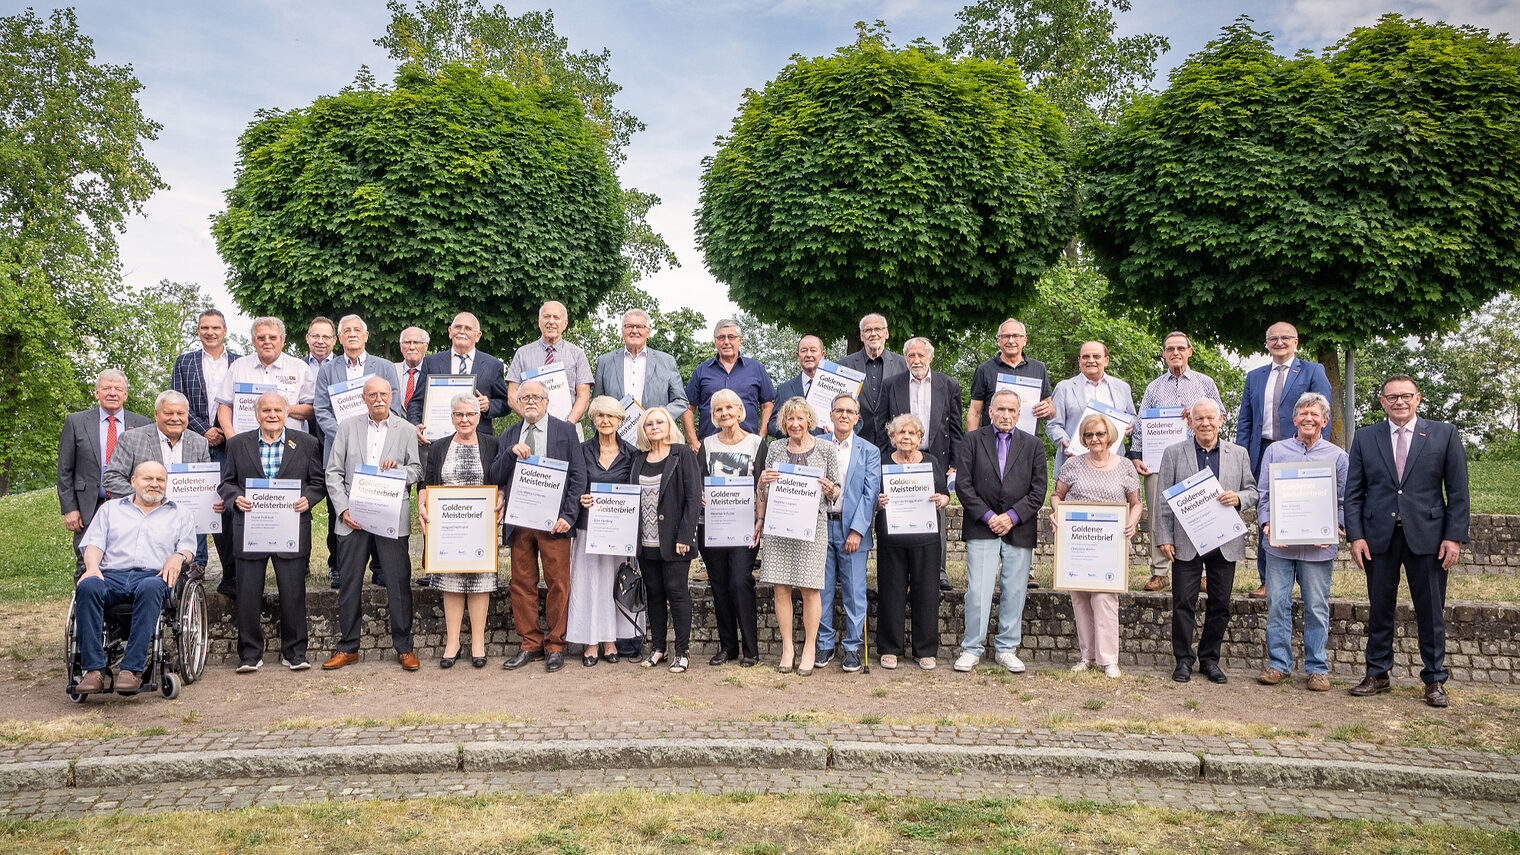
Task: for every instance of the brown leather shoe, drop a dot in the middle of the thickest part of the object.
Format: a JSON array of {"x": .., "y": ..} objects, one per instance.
[
  {"x": 127, "y": 683},
  {"x": 1435, "y": 694},
  {"x": 408, "y": 661},
  {"x": 339, "y": 660},
  {"x": 1259, "y": 593},
  {"x": 1270, "y": 677},
  {"x": 1371, "y": 686},
  {"x": 1319, "y": 682},
  {"x": 1156, "y": 583},
  {"x": 92, "y": 682}
]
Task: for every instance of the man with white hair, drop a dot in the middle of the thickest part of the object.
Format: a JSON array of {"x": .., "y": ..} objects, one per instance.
[
  {"x": 167, "y": 440},
  {"x": 935, "y": 398},
  {"x": 269, "y": 364},
  {"x": 548, "y": 350},
  {"x": 85, "y": 447},
  {"x": 414, "y": 344},
  {"x": 879, "y": 365},
  {"x": 651, "y": 376},
  {"x": 462, "y": 357}
]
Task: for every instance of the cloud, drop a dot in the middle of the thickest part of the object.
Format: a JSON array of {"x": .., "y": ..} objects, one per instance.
[{"x": 1320, "y": 23}]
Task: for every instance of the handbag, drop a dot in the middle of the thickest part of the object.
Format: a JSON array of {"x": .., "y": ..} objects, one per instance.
[{"x": 629, "y": 593}]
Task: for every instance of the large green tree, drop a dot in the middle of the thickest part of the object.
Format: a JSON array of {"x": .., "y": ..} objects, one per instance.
[
  {"x": 407, "y": 204},
  {"x": 72, "y": 169},
  {"x": 933, "y": 190},
  {"x": 1367, "y": 191}
]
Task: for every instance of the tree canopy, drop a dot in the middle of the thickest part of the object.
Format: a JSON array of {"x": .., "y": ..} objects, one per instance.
[
  {"x": 933, "y": 190},
  {"x": 447, "y": 192},
  {"x": 1368, "y": 191}
]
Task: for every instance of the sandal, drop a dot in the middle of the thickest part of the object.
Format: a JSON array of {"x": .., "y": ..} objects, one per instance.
[
  {"x": 588, "y": 661},
  {"x": 653, "y": 659},
  {"x": 678, "y": 665}
]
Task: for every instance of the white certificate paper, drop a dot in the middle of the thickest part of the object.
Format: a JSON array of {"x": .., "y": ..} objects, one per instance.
[
  {"x": 729, "y": 511},
  {"x": 1028, "y": 390},
  {"x": 910, "y": 498},
  {"x": 1092, "y": 553},
  {"x": 461, "y": 530},
  {"x": 556, "y": 385},
  {"x": 1195, "y": 503},
  {"x": 377, "y": 498},
  {"x": 1120, "y": 419},
  {"x": 1160, "y": 429},
  {"x": 1304, "y": 503},
  {"x": 612, "y": 523},
  {"x": 632, "y": 412},
  {"x": 273, "y": 525},
  {"x": 437, "y": 406},
  {"x": 193, "y": 486},
  {"x": 348, "y": 398},
  {"x": 536, "y": 491},
  {"x": 244, "y": 397},
  {"x": 792, "y": 507},
  {"x": 830, "y": 381}
]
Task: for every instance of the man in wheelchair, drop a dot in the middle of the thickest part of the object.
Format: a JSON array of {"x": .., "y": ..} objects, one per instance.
[{"x": 134, "y": 551}]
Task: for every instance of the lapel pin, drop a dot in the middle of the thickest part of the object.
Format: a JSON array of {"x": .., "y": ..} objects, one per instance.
[{"x": 290, "y": 443}]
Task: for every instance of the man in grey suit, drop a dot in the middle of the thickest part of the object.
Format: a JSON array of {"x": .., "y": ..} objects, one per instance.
[
  {"x": 1231, "y": 464},
  {"x": 809, "y": 354},
  {"x": 382, "y": 439},
  {"x": 84, "y": 447},
  {"x": 650, "y": 376},
  {"x": 1406, "y": 505},
  {"x": 1073, "y": 394},
  {"x": 879, "y": 366}
]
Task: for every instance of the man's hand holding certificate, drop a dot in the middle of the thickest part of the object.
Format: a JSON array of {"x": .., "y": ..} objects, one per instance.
[
  {"x": 829, "y": 382},
  {"x": 1160, "y": 428},
  {"x": 1303, "y": 504},
  {"x": 538, "y": 487},
  {"x": 1208, "y": 522},
  {"x": 272, "y": 511}
]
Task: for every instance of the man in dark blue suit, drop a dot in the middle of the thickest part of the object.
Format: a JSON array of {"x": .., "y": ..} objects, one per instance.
[
  {"x": 463, "y": 358},
  {"x": 809, "y": 354},
  {"x": 1406, "y": 505},
  {"x": 1266, "y": 407},
  {"x": 198, "y": 376}
]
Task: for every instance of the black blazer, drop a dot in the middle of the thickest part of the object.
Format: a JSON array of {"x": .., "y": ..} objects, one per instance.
[
  {"x": 564, "y": 444},
  {"x": 680, "y": 500},
  {"x": 432, "y": 467},
  {"x": 1020, "y": 487},
  {"x": 302, "y": 461},
  {"x": 617, "y": 473},
  {"x": 490, "y": 380},
  {"x": 873, "y": 414},
  {"x": 1431, "y": 501},
  {"x": 944, "y": 427}
]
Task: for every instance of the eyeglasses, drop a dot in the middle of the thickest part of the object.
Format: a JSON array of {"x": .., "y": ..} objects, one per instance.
[
  {"x": 729, "y": 337},
  {"x": 635, "y": 326},
  {"x": 466, "y": 415},
  {"x": 608, "y": 416},
  {"x": 1013, "y": 336},
  {"x": 864, "y": 330},
  {"x": 843, "y": 410},
  {"x": 1400, "y": 397},
  {"x": 531, "y": 399},
  {"x": 1177, "y": 348},
  {"x": 1099, "y": 434},
  {"x": 1279, "y": 339}
]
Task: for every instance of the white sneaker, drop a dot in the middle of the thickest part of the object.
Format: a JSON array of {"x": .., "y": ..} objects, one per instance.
[
  {"x": 1080, "y": 666},
  {"x": 1008, "y": 660},
  {"x": 966, "y": 661},
  {"x": 888, "y": 661},
  {"x": 1113, "y": 671},
  {"x": 298, "y": 665},
  {"x": 927, "y": 663},
  {"x": 246, "y": 668}
]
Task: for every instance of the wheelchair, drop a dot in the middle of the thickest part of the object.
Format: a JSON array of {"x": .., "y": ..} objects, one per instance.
[{"x": 177, "y": 653}]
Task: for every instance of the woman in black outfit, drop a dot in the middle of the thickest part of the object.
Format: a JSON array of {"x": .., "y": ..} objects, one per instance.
[
  {"x": 908, "y": 562},
  {"x": 670, "y": 497},
  {"x": 732, "y": 451}
]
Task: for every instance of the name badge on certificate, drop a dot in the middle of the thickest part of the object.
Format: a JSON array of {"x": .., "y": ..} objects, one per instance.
[
  {"x": 193, "y": 486},
  {"x": 1120, "y": 419},
  {"x": 910, "y": 498},
  {"x": 829, "y": 382},
  {"x": 273, "y": 525},
  {"x": 728, "y": 515},
  {"x": 461, "y": 530},
  {"x": 1303, "y": 504},
  {"x": 791, "y": 510},
  {"x": 612, "y": 523},
  {"x": 244, "y": 397},
  {"x": 1028, "y": 390},
  {"x": 632, "y": 412},
  {"x": 536, "y": 491},
  {"x": 1207, "y": 523},
  {"x": 348, "y": 398},
  {"x": 556, "y": 386},
  {"x": 437, "y": 406},
  {"x": 1092, "y": 553},
  {"x": 1160, "y": 429}
]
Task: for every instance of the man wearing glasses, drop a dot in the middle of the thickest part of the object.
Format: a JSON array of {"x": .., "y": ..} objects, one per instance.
[
  {"x": 1010, "y": 359},
  {"x": 650, "y": 376},
  {"x": 879, "y": 365},
  {"x": 727, "y": 370},
  {"x": 1266, "y": 408},
  {"x": 463, "y": 358}
]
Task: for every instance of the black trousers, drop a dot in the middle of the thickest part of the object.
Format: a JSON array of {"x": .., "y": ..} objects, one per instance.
[
  {"x": 1185, "y": 584},
  {"x": 290, "y": 582},
  {"x": 353, "y": 555},
  {"x": 667, "y": 582},
  {"x": 1427, "y": 587},
  {"x": 903, "y": 572},
  {"x": 731, "y": 573},
  {"x": 1261, "y": 542}
]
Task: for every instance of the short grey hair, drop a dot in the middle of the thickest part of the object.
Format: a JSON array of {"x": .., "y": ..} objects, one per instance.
[
  {"x": 640, "y": 312},
  {"x": 1313, "y": 399},
  {"x": 268, "y": 321},
  {"x": 1193, "y": 411},
  {"x": 1017, "y": 404},
  {"x": 725, "y": 324},
  {"x": 605, "y": 405},
  {"x": 425, "y": 337},
  {"x": 729, "y": 396},
  {"x": 169, "y": 396},
  {"x": 863, "y": 320},
  {"x": 464, "y": 398},
  {"x": 113, "y": 374},
  {"x": 362, "y": 325},
  {"x": 918, "y": 339}
]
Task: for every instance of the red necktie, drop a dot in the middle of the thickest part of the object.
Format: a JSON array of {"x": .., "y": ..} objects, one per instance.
[
  {"x": 110, "y": 437},
  {"x": 549, "y": 354},
  {"x": 411, "y": 385}
]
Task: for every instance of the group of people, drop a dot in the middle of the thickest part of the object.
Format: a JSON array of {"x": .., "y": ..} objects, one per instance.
[{"x": 1401, "y": 494}]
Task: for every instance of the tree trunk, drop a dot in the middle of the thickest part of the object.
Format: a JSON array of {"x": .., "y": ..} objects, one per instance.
[
  {"x": 852, "y": 341},
  {"x": 1328, "y": 356}
]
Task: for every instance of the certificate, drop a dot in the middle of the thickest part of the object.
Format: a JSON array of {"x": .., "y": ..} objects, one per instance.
[
  {"x": 1160, "y": 429},
  {"x": 728, "y": 512},
  {"x": 910, "y": 498},
  {"x": 244, "y": 397},
  {"x": 536, "y": 492},
  {"x": 377, "y": 498},
  {"x": 348, "y": 398},
  {"x": 1207, "y": 523},
  {"x": 193, "y": 486},
  {"x": 273, "y": 525},
  {"x": 1092, "y": 553},
  {"x": 632, "y": 412},
  {"x": 830, "y": 381},
  {"x": 1120, "y": 419},
  {"x": 612, "y": 523},
  {"x": 792, "y": 507},
  {"x": 1028, "y": 390},
  {"x": 556, "y": 386},
  {"x": 461, "y": 530},
  {"x": 438, "y": 406},
  {"x": 1303, "y": 504}
]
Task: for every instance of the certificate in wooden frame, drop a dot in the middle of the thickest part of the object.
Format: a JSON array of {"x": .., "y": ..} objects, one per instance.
[
  {"x": 1101, "y": 578},
  {"x": 469, "y": 563}
]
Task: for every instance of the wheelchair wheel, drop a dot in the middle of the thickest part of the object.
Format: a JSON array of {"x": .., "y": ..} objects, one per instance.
[
  {"x": 169, "y": 687},
  {"x": 191, "y": 634},
  {"x": 71, "y": 657}
]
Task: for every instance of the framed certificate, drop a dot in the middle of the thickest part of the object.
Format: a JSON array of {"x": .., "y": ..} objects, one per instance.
[
  {"x": 461, "y": 534},
  {"x": 1092, "y": 553},
  {"x": 1303, "y": 504}
]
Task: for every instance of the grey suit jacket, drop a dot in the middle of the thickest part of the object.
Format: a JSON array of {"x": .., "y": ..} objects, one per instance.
[
  {"x": 334, "y": 373},
  {"x": 663, "y": 386},
  {"x": 1180, "y": 463},
  {"x": 139, "y": 444},
  {"x": 1070, "y": 402},
  {"x": 348, "y": 454},
  {"x": 79, "y": 475}
]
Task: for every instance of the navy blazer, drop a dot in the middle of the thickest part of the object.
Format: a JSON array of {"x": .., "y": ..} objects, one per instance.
[
  {"x": 786, "y": 391},
  {"x": 945, "y": 428},
  {"x": 563, "y": 444},
  {"x": 1303, "y": 376},
  {"x": 490, "y": 380},
  {"x": 680, "y": 499},
  {"x": 1020, "y": 487},
  {"x": 300, "y": 461},
  {"x": 188, "y": 380},
  {"x": 1430, "y": 502}
]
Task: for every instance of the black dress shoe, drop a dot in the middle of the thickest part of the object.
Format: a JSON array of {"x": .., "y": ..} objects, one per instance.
[
  {"x": 1370, "y": 686},
  {"x": 521, "y": 658},
  {"x": 748, "y": 662},
  {"x": 719, "y": 658},
  {"x": 554, "y": 661},
  {"x": 446, "y": 662},
  {"x": 944, "y": 581},
  {"x": 478, "y": 661},
  {"x": 227, "y": 590},
  {"x": 1212, "y": 671},
  {"x": 1182, "y": 674},
  {"x": 1435, "y": 694},
  {"x": 1033, "y": 584}
]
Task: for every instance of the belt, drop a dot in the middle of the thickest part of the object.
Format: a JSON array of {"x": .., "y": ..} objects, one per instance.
[{"x": 837, "y": 517}]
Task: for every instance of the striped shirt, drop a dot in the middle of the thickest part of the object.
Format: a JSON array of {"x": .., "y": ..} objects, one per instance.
[{"x": 1172, "y": 390}]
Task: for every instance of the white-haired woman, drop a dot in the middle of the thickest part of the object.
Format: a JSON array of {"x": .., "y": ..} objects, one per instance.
[
  {"x": 732, "y": 451},
  {"x": 594, "y": 620},
  {"x": 670, "y": 500}
]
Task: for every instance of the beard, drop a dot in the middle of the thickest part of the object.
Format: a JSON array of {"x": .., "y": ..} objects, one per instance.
[{"x": 151, "y": 497}]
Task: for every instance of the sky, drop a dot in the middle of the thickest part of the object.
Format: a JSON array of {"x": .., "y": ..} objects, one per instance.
[{"x": 683, "y": 65}]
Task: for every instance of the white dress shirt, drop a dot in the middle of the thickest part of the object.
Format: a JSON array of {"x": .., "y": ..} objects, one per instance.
[
  {"x": 921, "y": 402},
  {"x": 173, "y": 453},
  {"x": 374, "y": 439},
  {"x": 1100, "y": 390},
  {"x": 214, "y": 372},
  {"x": 633, "y": 373},
  {"x": 845, "y": 447},
  {"x": 353, "y": 370}
]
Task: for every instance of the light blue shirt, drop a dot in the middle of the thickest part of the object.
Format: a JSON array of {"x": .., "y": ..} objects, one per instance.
[
  {"x": 133, "y": 539},
  {"x": 1293, "y": 450}
]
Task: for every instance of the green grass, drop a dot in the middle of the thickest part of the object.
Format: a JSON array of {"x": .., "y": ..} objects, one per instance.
[
  {"x": 36, "y": 553},
  {"x": 1494, "y": 486}
]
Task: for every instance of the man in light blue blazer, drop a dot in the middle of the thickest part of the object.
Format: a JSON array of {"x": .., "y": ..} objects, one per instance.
[
  {"x": 650, "y": 375},
  {"x": 849, "y": 518},
  {"x": 355, "y": 362},
  {"x": 1072, "y": 395}
]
